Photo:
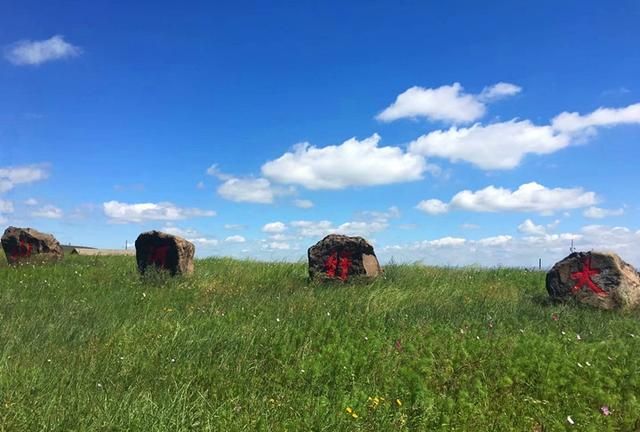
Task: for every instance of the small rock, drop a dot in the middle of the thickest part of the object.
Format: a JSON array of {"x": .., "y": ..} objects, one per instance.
[
  {"x": 165, "y": 252},
  {"x": 341, "y": 257},
  {"x": 29, "y": 245},
  {"x": 600, "y": 279}
]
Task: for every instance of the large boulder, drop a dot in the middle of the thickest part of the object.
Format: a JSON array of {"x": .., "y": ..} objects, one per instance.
[
  {"x": 29, "y": 245},
  {"x": 599, "y": 279},
  {"x": 165, "y": 252},
  {"x": 341, "y": 257}
]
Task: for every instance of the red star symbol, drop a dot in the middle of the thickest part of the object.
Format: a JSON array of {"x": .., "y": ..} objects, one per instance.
[{"x": 583, "y": 277}]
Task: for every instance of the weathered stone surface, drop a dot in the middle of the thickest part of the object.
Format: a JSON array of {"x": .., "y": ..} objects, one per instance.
[
  {"x": 341, "y": 257},
  {"x": 29, "y": 245},
  {"x": 599, "y": 279},
  {"x": 165, "y": 252}
]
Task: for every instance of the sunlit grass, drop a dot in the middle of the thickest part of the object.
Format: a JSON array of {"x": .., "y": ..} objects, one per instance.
[{"x": 89, "y": 345}]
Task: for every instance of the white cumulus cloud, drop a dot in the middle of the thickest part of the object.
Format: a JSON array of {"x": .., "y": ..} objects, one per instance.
[
  {"x": 14, "y": 175},
  {"x": 602, "y": 117},
  {"x": 497, "y": 146},
  {"x": 235, "y": 239},
  {"x": 258, "y": 190},
  {"x": 599, "y": 213},
  {"x": 27, "y": 52},
  {"x": 352, "y": 163},
  {"x": 6, "y": 206},
  {"x": 433, "y": 206},
  {"x": 499, "y": 91},
  {"x": 446, "y": 103},
  {"x": 529, "y": 197},
  {"x": 530, "y": 228},
  {"x": 444, "y": 242},
  {"x": 49, "y": 212},
  {"x": 139, "y": 212},
  {"x": 274, "y": 227},
  {"x": 498, "y": 240},
  {"x": 278, "y": 246},
  {"x": 303, "y": 203}
]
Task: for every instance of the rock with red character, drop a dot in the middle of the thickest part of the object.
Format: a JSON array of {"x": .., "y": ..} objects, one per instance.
[
  {"x": 164, "y": 252},
  {"x": 22, "y": 245},
  {"x": 341, "y": 257},
  {"x": 599, "y": 279}
]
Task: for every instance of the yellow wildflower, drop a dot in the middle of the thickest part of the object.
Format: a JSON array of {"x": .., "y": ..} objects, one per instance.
[{"x": 399, "y": 402}]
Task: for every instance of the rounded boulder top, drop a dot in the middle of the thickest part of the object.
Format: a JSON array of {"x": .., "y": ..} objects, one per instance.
[
  {"x": 341, "y": 257},
  {"x": 30, "y": 245},
  {"x": 600, "y": 279},
  {"x": 165, "y": 252}
]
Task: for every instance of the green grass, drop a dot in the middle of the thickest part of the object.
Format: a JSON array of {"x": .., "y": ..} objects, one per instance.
[{"x": 87, "y": 345}]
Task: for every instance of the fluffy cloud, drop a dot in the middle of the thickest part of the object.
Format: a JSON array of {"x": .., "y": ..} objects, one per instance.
[
  {"x": 48, "y": 211},
  {"x": 366, "y": 224},
  {"x": 313, "y": 228},
  {"x": 499, "y": 91},
  {"x": 602, "y": 117},
  {"x": 520, "y": 252},
  {"x": 497, "y": 146},
  {"x": 235, "y": 239},
  {"x": 246, "y": 189},
  {"x": 274, "y": 227},
  {"x": 499, "y": 240},
  {"x": 215, "y": 171},
  {"x": 31, "y": 202},
  {"x": 204, "y": 241},
  {"x": 444, "y": 242},
  {"x": 12, "y": 176},
  {"x": 303, "y": 203},
  {"x": 277, "y": 246},
  {"x": 124, "y": 213},
  {"x": 249, "y": 190},
  {"x": 6, "y": 206},
  {"x": 599, "y": 213},
  {"x": 325, "y": 227},
  {"x": 28, "y": 52},
  {"x": 447, "y": 103},
  {"x": 173, "y": 230},
  {"x": 528, "y": 227},
  {"x": 529, "y": 197},
  {"x": 433, "y": 206},
  {"x": 352, "y": 163}
]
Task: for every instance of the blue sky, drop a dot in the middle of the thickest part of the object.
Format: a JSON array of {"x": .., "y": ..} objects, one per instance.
[{"x": 458, "y": 133}]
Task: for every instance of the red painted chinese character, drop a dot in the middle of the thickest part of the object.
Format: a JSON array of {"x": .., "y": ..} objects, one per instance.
[
  {"x": 345, "y": 264},
  {"x": 158, "y": 256},
  {"x": 583, "y": 277},
  {"x": 337, "y": 261},
  {"x": 23, "y": 250},
  {"x": 331, "y": 264}
]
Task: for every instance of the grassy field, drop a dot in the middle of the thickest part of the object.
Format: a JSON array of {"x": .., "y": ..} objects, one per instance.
[{"x": 87, "y": 345}]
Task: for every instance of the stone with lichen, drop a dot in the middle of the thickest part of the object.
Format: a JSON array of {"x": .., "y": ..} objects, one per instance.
[
  {"x": 340, "y": 257},
  {"x": 164, "y": 252},
  {"x": 27, "y": 245},
  {"x": 600, "y": 279}
]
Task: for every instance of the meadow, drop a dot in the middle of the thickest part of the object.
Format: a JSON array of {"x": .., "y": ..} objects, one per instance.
[{"x": 88, "y": 345}]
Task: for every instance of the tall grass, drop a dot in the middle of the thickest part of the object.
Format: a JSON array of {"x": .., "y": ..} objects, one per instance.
[{"x": 88, "y": 345}]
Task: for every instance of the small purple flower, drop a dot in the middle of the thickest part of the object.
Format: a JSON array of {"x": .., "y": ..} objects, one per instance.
[{"x": 604, "y": 409}]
